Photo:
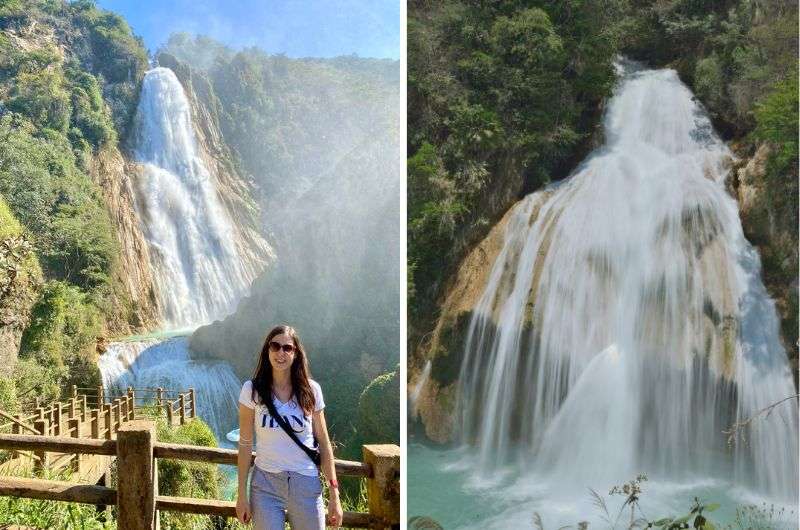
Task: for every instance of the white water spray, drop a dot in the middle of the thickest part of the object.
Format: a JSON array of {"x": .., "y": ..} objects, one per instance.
[
  {"x": 156, "y": 363},
  {"x": 624, "y": 325},
  {"x": 199, "y": 272},
  {"x": 417, "y": 391}
]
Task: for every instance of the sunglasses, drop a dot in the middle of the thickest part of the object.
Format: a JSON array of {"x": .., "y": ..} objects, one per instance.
[{"x": 277, "y": 346}]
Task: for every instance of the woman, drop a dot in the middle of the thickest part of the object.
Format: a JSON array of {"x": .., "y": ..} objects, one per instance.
[{"x": 285, "y": 478}]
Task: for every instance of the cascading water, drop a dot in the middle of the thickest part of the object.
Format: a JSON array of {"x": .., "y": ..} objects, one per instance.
[
  {"x": 155, "y": 363},
  {"x": 191, "y": 239},
  {"x": 198, "y": 270},
  {"x": 624, "y": 324},
  {"x": 415, "y": 393}
]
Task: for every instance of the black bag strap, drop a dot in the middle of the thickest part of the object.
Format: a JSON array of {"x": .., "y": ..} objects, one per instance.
[{"x": 313, "y": 454}]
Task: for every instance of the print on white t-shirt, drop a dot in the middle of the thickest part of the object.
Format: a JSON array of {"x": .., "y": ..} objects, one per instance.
[{"x": 275, "y": 451}]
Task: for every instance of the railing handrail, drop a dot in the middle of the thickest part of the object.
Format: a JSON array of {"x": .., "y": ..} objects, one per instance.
[
  {"x": 91, "y": 446},
  {"x": 15, "y": 421},
  {"x": 93, "y": 391},
  {"x": 137, "y": 451},
  {"x": 58, "y": 490}
]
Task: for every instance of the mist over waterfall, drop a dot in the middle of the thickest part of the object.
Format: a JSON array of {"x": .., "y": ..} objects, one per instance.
[
  {"x": 192, "y": 241},
  {"x": 624, "y": 325}
]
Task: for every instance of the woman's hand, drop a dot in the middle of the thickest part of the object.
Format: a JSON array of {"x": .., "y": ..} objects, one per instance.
[
  {"x": 335, "y": 513},
  {"x": 243, "y": 509}
]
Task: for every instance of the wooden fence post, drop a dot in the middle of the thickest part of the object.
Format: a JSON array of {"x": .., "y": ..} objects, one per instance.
[
  {"x": 83, "y": 407},
  {"x": 95, "y": 424},
  {"x": 100, "y": 397},
  {"x": 116, "y": 410},
  {"x": 123, "y": 409},
  {"x": 169, "y": 413},
  {"x": 137, "y": 477},
  {"x": 182, "y": 402},
  {"x": 16, "y": 429},
  {"x": 132, "y": 405},
  {"x": 159, "y": 397},
  {"x": 56, "y": 412},
  {"x": 192, "y": 404},
  {"x": 75, "y": 391},
  {"x": 40, "y": 457},
  {"x": 73, "y": 407},
  {"x": 75, "y": 431},
  {"x": 107, "y": 414},
  {"x": 383, "y": 489}
]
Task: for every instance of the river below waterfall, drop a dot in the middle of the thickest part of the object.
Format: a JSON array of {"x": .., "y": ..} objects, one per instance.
[{"x": 449, "y": 488}]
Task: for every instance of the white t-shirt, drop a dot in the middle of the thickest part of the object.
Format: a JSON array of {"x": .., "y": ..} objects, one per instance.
[{"x": 275, "y": 451}]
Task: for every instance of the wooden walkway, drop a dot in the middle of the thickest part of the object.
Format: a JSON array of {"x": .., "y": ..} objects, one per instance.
[{"x": 92, "y": 414}]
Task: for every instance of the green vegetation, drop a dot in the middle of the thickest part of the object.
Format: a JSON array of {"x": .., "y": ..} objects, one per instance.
[
  {"x": 379, "y": 410},
  {"x": 188, "y": 479},
  {"x": 731, "y": 53},
  {"x": 69, "y": 77},
  {"x": 32, "y": 513},
  {"x": 500, "y": 97},
  {"x": 61, "y": 339},
  {"x": 20, "y": 272},
  {"x": 97, "y": 43}
]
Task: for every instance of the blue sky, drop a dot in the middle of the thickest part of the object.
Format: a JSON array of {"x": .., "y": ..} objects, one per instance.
[{"x": 298, "y": 28}]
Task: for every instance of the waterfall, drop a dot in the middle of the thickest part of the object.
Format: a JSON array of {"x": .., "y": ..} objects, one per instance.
[
  {"x": 624, "y": 324},
  {"x": 192, "y": 241},
  {"x": 199, "y": 272},
  {"x": 155, "y": 363},
  {"x": 417, "y": 391}
]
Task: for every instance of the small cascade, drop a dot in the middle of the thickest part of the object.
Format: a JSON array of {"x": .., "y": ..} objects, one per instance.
[
  {"x": 624, "y": 324},
  {"x": 155, "y": 363},
  {"x": 417, "y": 391},
  {"x": 198, "y": 269}
]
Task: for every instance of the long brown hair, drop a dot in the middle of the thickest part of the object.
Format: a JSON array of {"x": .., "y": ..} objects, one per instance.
[{"x": 300, "y": 374}]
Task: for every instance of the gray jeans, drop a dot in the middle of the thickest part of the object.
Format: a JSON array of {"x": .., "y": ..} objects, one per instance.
[{"x": 274, "y": 497}]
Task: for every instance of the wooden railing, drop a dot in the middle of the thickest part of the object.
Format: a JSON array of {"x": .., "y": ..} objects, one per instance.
[
  {"x": 179, "y": 406},
  {"x": 90, "y": 413},
  {"x": 136, "y": 494}
]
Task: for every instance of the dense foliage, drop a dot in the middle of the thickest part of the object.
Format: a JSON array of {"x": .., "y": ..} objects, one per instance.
[
  {"x": 69, "y": 76},
  {"x": 494, "y": 89},
  {"x": 57, "y": 202},
  {"x": 61, "y": 338},
  {"x": 379, "y": 410},
  {"x": 181, "y": 478}
]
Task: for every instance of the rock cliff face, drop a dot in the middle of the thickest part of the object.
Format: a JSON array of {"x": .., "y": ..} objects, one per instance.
[
  {"x": 769, "y": 218},
  {"x": 114, "y": 176},
  {"x": 444, "y": 346}
]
